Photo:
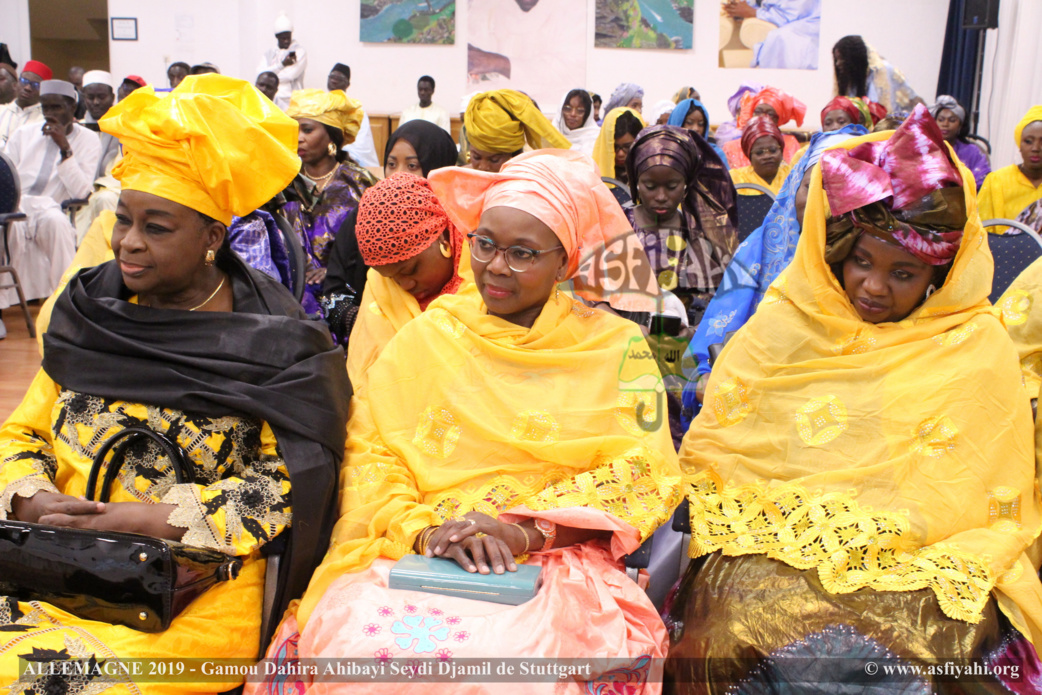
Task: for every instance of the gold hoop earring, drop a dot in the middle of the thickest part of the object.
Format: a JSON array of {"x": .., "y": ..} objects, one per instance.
[
  {"x": 211, "y": 256},
  {"x": 445, "y": 249},
  {"x": 331, "y": 149}
]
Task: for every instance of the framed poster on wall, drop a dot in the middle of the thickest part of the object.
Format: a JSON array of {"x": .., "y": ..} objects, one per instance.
[{"x": 123, "y": 28}]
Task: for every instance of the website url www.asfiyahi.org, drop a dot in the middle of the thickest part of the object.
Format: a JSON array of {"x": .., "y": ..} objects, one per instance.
[{"x": 948, "y": 670}]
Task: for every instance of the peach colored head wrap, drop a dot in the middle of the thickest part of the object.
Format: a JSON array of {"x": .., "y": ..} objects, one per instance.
[{"x": 563, "y": 190}]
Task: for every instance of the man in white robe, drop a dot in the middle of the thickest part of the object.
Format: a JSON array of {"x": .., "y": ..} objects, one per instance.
[
  {"x": 427, "y": 110},
  {"x": 55, "y": 162},
  {"x": 25, "y": 109},
  {"x": 288, "y": 60}
]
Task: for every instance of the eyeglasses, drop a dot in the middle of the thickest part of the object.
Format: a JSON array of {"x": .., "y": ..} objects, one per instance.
[
  {"x": 770, "y": 151},
  {"x": 31, "y": 83},
  {"x": 578, "y": 110},
  {"x": 518, "y": 258}
]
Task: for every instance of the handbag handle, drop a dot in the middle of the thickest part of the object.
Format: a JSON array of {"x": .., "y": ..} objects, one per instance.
[{"x": 183, "y": 472}]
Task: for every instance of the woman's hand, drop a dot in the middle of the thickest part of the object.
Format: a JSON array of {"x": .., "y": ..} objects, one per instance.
[
  {"x": 125, "y": 517},
  {"x": 43, "y": 504},
  {"x": 315, "y": 276},
  {"x": 493, "y": 551}
]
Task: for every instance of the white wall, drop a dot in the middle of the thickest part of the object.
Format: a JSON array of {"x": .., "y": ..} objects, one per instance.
[
  {"x": 234, "y": 33},
  {"x": 14, "y": 28}
]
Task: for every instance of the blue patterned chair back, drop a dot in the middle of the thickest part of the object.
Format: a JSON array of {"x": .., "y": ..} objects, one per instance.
[
  {"x": 10, "y": 186},
  {"x": 752, "y": 210},
  {"x": 1012, "y": 253}
]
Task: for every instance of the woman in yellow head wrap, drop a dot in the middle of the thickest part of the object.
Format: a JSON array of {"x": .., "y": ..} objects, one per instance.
[
  {"x": 618, "y": 131},
  {"x": 179, "y": 336},
  {"x": 499, "y": 123},
  {"x": 1007, "y": 191},
  {"x": 330, "y": 183},
  {"x": 456, "y": 451},
  {"x": 862, "y": 476}
]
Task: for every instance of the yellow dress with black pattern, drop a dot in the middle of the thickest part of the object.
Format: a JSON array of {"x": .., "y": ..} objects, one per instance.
[{"x": 240, "y": 500}]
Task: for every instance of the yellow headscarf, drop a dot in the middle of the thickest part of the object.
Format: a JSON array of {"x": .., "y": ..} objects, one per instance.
[
  {"x": 328, "y": 108},
  {"x": 501, "y": 121},
  {"x": 897, "y": 456},
  {"x": 1033, "y": 114},
  {"x": 200, "y": 145},
  {"x": 604, "y": 148}
]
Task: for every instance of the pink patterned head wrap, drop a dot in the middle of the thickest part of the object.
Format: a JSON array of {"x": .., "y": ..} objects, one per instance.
[{"x": 905, "y": 190}]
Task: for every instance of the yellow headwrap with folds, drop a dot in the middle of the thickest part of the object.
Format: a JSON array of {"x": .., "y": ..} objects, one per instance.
[
  {"x": 604, "y": 148},
  {"x": 1033, "y": 114},
  {"x": 328, "y": 108},
  {"x": 501, "y": 121},
  {"x": 201, "y": 144}
]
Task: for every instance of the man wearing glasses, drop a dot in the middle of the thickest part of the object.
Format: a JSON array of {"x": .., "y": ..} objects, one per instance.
[{"x": 25, "y": 108}]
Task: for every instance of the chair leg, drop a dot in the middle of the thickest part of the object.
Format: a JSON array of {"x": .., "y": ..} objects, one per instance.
[{"x": 21, "y": 299}]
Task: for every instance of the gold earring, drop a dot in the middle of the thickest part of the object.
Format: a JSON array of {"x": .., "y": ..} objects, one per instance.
[
  {"x": 331, "y": 149},
  {"x": 445, "y": 249},
  {"x": 211, "y": 256}
]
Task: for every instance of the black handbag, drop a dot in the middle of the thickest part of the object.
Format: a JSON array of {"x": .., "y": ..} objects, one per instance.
[{"x": 121, "y": 578}]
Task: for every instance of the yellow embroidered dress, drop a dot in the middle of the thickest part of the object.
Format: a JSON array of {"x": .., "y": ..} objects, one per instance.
[
  {"x": 490, "y": 416},
  {"x": 858, "y": 488},
  {"x": 1023, "y": 320},
  {"x": 240, "y": 500}
]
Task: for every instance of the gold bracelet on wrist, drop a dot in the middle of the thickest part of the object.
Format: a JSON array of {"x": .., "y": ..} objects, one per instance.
[{"x": 524, "y": 534}]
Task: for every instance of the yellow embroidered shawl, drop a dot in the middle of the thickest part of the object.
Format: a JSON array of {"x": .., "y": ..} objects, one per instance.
[
  {"x": 385, "y": 308},
  {"x": 1024, "y": 322},
  {"x": 897, "y": 456},
  {"x": 465, "y": 411}
]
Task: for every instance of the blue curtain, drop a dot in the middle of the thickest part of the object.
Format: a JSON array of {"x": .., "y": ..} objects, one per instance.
[{"x": 959, "y": 59}]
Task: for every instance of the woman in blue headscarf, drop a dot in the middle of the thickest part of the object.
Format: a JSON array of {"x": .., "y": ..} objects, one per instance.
[
  {"x": 692, "y": 115},
  {"x": 756, "y": 263}
]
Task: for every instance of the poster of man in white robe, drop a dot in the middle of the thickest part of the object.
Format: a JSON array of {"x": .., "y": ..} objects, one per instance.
[
  {"x": 778, "y": 34},
  {"x": 533, "y": 46}
]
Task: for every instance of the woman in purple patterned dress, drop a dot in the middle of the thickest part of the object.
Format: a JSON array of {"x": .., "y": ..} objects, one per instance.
[{"x": 330, "y": 183}]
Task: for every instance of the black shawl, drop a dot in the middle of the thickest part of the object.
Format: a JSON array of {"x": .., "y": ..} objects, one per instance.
[{"x": 263, "y": 360}]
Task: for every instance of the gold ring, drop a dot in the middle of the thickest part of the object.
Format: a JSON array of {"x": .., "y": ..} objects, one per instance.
[{"x": 480, "y": 534}]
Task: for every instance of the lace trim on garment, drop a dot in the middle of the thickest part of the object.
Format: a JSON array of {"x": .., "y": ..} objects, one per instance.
[
  {"x": 252, "y": 505},
  {"x": 629, "y": 487},
  {"x": 24, "y": 487},
  {"x": 851, "y": 546}
]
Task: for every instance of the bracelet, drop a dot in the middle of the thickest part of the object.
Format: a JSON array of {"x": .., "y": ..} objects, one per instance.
[
  {"x": 425, "y": 537},
  {"x": 525, "y": 535}
]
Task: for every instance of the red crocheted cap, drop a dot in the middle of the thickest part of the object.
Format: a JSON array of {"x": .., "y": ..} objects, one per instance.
[{"x": 398, "y": 218}]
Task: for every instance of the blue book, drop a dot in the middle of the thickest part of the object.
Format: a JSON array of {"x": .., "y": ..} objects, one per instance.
[{"x": 436, "y": 575}]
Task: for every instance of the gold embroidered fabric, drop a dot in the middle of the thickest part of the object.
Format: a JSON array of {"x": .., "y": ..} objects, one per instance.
[
  {"x": 892, "y": 456},
  {"x": 490, "y": 416},
  {"x": 851, "y": 547},
  {"x": 241, "y": 498}
]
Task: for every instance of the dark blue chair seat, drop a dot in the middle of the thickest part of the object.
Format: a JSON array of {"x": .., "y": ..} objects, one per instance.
[
  {"x": 1012, "y": 253},
  {"x": 752, "y": 209}
]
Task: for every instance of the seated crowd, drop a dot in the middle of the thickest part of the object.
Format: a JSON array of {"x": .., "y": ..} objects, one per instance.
[{"x": 530, "y": 361}]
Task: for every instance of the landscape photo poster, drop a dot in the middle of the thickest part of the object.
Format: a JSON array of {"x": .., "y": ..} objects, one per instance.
[
  {"x": 533, "y": 46},
  {"x": 645, "y": 24},
  {"x": 408, "y": 21}
]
